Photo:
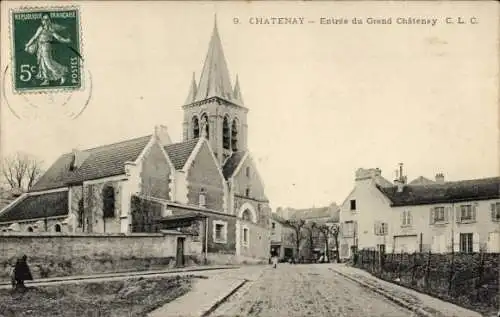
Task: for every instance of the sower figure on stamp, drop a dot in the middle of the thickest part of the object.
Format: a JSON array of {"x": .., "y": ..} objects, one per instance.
[
  {"x": 41, "y": 43},
  {"x": 22, "y": 272}
]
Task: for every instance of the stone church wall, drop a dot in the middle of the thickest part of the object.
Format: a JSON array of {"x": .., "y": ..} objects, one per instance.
[
  {"x": 155, "y": 174},
  {"x": 77, "y": 254}
]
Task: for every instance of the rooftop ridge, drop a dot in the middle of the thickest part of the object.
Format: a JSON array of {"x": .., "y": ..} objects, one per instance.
[{"x": 112, "y": 144}]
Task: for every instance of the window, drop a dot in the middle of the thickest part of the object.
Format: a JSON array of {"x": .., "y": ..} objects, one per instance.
[
  {"x": 196, "y": 128},
  {"x": 220, "y": 231},
  {"x": 466, "y": 212},
  {"x": 245, "y": 236},
  {"x": 247, "y": 192},
  {"x": 57, "y": 228},
  {"x": 226, "y": 134},
  {"x": 381, "y": 228},
  {"x": 80, "y": 213},
  {"x": 247, "y": 171},
  {"x": 273, "y": 225},
  {"x": 108, "y": 194},
  {"x": 353, "y": 204},
  {"x": 349, "y": 228},
  {"x": 234, "y": 135},
  {"x": 205, "y": 125},
  {"x": 495, "y": 211},
  {"x": 406, "y": 220},
  {"x": 466, "y": 242},
  {"x": 438, "y": 214},
  {"x": 30, "y": 229},
  {"x": 246, "y": 215},
  {"x": 202, "y": 199}
]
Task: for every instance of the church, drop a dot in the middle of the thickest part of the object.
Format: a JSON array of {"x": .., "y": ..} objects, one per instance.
[{"x": 207, "y": 184}]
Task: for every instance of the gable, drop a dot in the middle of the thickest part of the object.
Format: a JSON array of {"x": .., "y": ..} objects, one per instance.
[
  {"x": 203, "y": 168},
  {"x": 100, "y": 162},
  {"x": 252, "y": 180},
  {"x": 155, "y": 173}
]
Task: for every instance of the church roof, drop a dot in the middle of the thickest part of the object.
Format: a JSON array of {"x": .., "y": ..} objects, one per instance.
[
  {"x": 179, "y": 152},
  {"x": 232, "y": 164},
  {"x": 449, "y": 192},
  {"x": 37, "y": 206},
  {"x": 214, "y": 80},
  {"x": 103, "y": 161}
]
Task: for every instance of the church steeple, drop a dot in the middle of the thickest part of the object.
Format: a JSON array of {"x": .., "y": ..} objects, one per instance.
[{"x": 215, "y": 79}]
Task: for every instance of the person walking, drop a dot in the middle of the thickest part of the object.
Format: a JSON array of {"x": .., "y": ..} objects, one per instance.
[
  {"x": 275, "y": 260},
  {"x": 22, "y": 272}
]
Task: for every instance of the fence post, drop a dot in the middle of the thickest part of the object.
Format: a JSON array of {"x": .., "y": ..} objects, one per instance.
[
  {"x": 452, "y": 271},
  {"x": 400, "y": 262},
  {"x": 428, "y": 270},
  {"x": 414, "y": 267},
  {"x": 479, "y": 280}
]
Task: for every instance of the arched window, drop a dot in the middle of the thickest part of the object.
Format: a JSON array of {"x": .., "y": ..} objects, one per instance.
[
  {"x": 234, "y": 135},
  {"x": 204, "y": 123},
  {"x": 30, "y": 229},
  {"x": 108, "y": 198},
  {"x": 246, "y": 215},
  {"x": 226, "y": 134},
  {"x": 80, "y": 213},
  {"x": 196, "y": 127},
  {"x": 57, "y": 228},
  {"x": 247, "y": 171}
]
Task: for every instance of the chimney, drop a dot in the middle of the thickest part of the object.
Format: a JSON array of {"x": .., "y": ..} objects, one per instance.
[
  {"x": 161, "y": 132},
  {"x": 440, "y": 178},
  {"x": 400, "y": 180},
  {"x": 78, "y": 158}
]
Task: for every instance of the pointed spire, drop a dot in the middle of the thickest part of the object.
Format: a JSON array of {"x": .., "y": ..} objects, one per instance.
[
  {"x": 214, "y": 80},
  {"x": 237, "y": 91},
  {"x": 192, "y": 91}
]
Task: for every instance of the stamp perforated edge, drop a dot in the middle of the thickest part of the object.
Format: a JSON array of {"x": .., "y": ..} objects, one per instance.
[{"x": 48, "y": 90}]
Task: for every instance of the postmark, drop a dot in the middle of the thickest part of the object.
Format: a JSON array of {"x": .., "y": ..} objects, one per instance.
[{"x": 46, "y": 49}]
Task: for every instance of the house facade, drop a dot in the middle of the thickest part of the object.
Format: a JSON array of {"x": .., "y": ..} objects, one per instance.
[
  {"x": 422, "y": 215},
  {"x": 207, "y": 184},
  {"x": 283, "y": 243}
]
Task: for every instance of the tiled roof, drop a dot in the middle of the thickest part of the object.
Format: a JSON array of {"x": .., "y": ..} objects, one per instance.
[
  {"x": 232, "y": 163},
  {"x": 449, "y": 192},
  {"x": 421, "y": 181},
  {"x": 331, "y": 211},
  {"x": 102, "y": 161},
  {"x": 180, "y": 152},
  {"x": 37, "y": 206}
]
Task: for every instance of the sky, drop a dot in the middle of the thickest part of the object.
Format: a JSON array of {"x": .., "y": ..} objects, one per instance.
[{"x": 323, "y": 100}]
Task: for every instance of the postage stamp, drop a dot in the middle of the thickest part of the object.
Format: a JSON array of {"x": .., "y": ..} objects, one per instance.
[{"x": 46, "y": 49}]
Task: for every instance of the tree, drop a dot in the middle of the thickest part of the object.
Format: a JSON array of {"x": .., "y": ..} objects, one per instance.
[
  {"x": 21, "y": 170},
  {"x": 311, "y": 227},
  {"x": 330, "y": 231},
  {"x": 297, "y": 225}
]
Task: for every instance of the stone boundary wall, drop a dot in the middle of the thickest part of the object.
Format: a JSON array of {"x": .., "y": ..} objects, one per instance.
[{"x": 53, "y": 255}]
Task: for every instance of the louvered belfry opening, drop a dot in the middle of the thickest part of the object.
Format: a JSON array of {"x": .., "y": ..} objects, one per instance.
[
  {"x": 196, "y": 128},
  {"x": 226, "y": 134},
  {"x": 234, "y": 136}
]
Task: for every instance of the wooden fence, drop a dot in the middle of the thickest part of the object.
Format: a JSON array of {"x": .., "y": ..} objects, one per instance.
[{"x": 463, "y": 278}]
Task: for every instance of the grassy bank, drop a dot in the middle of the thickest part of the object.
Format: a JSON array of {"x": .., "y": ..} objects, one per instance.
[{"x": 131, "y": 297}]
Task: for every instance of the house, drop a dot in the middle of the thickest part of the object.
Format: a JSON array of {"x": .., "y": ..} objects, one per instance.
[
  {"x": 207, "y": 184},
  {"x": 364, "y": 208},
  {"x": 327, "y": 215},
  {"x": 422, "y": 215},
  {"x": 283, "y": 243},
  {"x": 463, "y": 216}
]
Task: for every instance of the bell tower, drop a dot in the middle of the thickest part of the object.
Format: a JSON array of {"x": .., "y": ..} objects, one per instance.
[{"x": 214, "y": 107}]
